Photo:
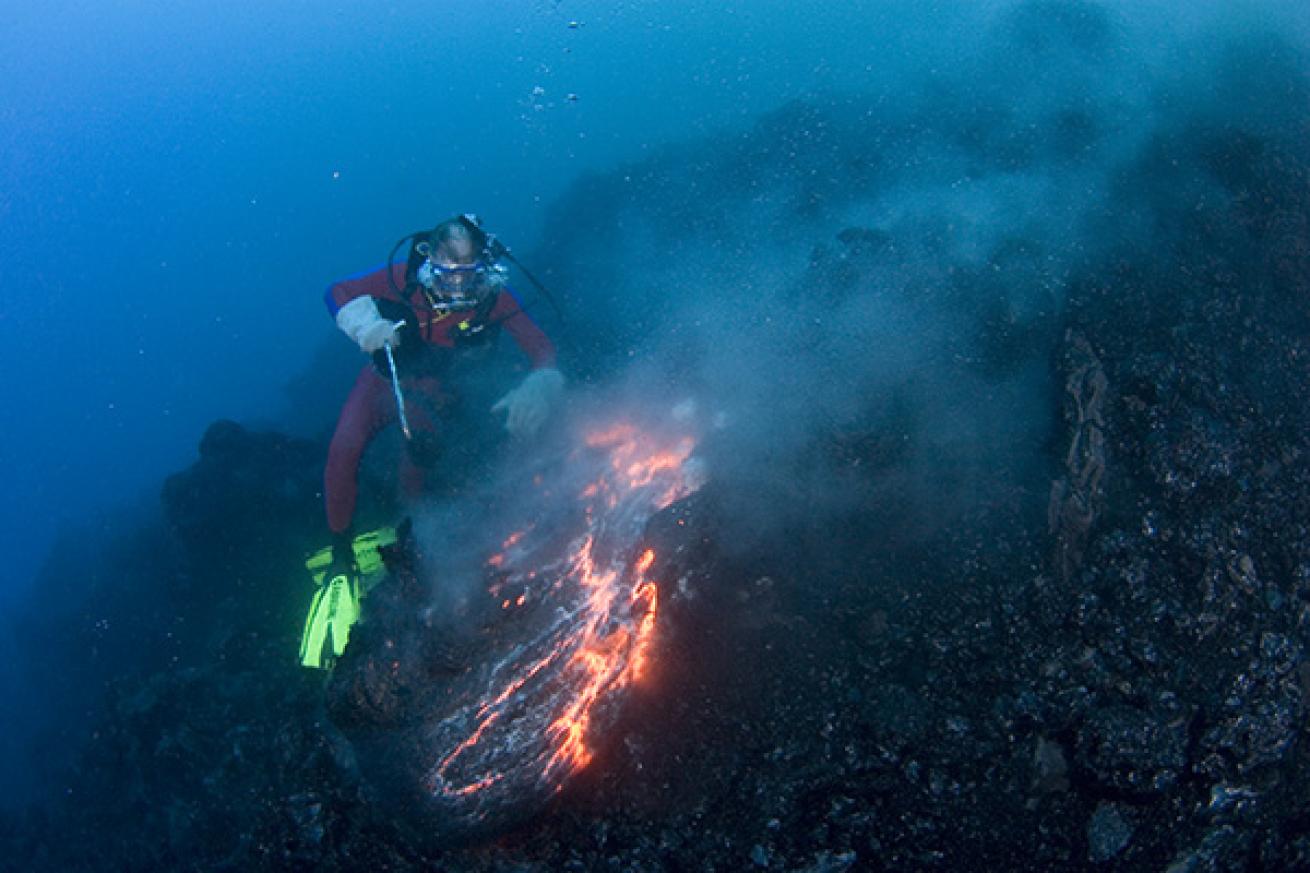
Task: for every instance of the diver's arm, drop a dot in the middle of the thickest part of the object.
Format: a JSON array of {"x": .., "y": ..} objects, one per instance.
[
  {"x": 353, "y": 305},
  {"x": 360, "y": 320},
  {"x": 529, "y": 337},
  {"x": 528, "y": 406}
]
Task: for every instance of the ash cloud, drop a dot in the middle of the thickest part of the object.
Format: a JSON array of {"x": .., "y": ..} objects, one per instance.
[{"x": 872, "y": 285}]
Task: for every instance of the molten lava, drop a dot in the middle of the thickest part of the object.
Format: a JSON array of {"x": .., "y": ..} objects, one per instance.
[{"x": 588, "y": 604}]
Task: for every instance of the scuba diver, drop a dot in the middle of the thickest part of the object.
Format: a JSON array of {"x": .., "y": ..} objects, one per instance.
[{"x": 414, "y": 319}]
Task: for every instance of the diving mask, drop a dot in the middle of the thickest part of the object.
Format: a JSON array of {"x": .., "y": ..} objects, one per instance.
[{"x": 453, "y": 286}]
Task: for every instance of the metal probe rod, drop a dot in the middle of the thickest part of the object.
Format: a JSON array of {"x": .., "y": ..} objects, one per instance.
[{"x": 395, "y": 387}]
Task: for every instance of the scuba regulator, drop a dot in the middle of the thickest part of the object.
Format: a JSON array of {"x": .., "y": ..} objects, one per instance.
[{"x": 449, "y": 287}]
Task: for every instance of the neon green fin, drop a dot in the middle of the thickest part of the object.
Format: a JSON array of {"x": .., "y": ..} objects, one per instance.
[
  {"x": 367, "y": 557},
  {"x": 332, "y": 612},
  {"x": 335, "y": 606}
]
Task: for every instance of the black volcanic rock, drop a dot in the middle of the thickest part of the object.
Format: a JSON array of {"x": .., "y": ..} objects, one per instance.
[{"x": 242, "y": 482}]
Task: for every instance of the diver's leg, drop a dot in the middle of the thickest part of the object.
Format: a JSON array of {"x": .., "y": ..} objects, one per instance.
[{"x": 366, "y": 412}]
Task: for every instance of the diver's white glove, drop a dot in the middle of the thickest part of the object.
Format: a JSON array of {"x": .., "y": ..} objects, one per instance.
[
  {"x": 528, "y": 405},
  {"x": 360, "y": 320}
]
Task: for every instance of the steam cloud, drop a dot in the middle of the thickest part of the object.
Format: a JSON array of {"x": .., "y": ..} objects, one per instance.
[{"x": 877, "y": 281}]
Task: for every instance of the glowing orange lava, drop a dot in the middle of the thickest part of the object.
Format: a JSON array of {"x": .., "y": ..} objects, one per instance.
[{"x": 600, "y": 626}]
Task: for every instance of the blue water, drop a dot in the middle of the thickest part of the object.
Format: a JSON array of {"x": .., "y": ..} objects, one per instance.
[{"x": 179, "y": 182}]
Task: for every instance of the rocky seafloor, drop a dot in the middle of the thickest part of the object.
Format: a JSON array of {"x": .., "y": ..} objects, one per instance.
[{"x": 1120, "y": 679}]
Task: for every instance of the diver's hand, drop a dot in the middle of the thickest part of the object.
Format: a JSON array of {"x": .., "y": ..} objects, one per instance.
[
  {"x": 360, "y": 320},
  {"x": 381, "y": 334},
  {"x": 528, "y": 406}
]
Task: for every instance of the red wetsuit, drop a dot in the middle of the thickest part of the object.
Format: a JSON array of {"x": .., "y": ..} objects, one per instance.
[{"x": 371, "y": 405}]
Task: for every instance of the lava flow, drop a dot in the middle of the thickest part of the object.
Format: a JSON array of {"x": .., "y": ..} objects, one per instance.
[{"x": 578, "y": 592}]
